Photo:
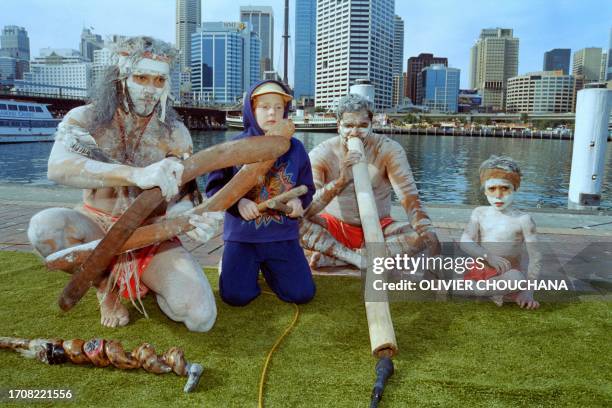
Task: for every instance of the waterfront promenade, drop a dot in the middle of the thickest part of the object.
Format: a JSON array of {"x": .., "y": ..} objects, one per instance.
[{"x": 564, "y": 233}]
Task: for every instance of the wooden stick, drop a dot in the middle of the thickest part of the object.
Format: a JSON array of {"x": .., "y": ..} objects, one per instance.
[
  {"x": 382, "y": 334},
  {"x": 284, "y": 197},
  {"x": 279, "y": 206},
  {"x": 227, "y": 154}
]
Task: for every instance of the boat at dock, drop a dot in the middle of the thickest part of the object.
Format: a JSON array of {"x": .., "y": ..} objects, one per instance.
[
  {"x": 26, "y": 122},
  {"x": 306, "y": 123}
]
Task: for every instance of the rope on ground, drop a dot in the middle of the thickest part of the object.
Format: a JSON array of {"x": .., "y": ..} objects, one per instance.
[
  {"x": 14, "y": 243},
  {"x": 262, "y": 379}
]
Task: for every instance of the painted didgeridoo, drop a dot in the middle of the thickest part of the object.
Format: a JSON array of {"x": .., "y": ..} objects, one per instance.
[
  {"x": 261, "y": 151},
  {"x": 102, "y": 353},
  {"x": 382, "y": 334}
]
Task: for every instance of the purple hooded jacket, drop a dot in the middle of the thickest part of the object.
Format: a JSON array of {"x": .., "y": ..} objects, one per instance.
[{"x": 290, "y": 170}]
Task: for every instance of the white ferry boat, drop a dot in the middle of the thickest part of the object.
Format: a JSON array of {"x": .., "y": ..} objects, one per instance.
[
  {"x": 307, "y": 123},
  {"x": 26, "y": 122}
]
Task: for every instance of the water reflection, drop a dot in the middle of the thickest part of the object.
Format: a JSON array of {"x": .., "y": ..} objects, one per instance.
[{"x": 445, "y": 167}]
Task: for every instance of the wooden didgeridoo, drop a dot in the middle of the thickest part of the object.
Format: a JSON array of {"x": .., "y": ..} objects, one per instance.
[
  {"x": 247, "y": 150},
  {"x": 382, "y": 334}
]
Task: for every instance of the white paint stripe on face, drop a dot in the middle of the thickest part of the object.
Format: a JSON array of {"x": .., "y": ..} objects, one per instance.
[{"x": 151, "y": 66}]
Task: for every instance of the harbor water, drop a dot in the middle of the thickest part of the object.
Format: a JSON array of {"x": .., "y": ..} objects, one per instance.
[{"x": 445, "y": 167}]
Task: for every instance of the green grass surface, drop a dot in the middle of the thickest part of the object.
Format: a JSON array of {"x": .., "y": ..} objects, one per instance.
[{"x": 451, "y": 353}]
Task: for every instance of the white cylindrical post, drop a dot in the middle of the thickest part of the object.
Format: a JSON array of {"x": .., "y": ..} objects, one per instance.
[{"x": 590, "y": 142}]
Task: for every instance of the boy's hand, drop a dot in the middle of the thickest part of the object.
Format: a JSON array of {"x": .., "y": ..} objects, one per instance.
[
  {"x": 526, "y": 301},
  {"x": 296, "y": 205},
  {"x": 284, "y": 128},
  {"x": 248, "y": 209}
]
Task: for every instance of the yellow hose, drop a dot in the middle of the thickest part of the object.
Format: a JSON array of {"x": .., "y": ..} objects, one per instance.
[{"x": 262, "y": 379}]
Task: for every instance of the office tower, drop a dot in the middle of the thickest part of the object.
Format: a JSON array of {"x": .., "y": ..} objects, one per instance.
[
  {"x": 495, "y": 59},
  {"x": 262, "y": 21},
  {"x": 540, "y": 92},
  {"x": 354, "y": 41},
  {"x": 224, "y": 61},
  {"x": 440, "y": 88},
  {"x": 398, "y": 61},
  {"x": 188, "y": 20},
  {"x": 305, "y": 48},
  {"x": 587, "y": 63},
  {"x": 14, "y": 43},
  {"x": 414, "y": 67},
  {"x": 557, "y": 59},
  {"x": 602, "y": 71},
  {"x": 90, "y": 42}
]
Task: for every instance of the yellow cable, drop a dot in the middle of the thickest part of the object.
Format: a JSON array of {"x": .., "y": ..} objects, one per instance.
[{"x": 262, "y": 379}]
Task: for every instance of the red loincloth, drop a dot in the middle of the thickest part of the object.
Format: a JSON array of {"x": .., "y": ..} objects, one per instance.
[
  {"x": 480, "y": 274},
  {"x": 349, "y": 235}
]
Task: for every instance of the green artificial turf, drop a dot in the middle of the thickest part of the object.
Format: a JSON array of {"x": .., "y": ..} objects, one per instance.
[{"x": 451, "y": 353}]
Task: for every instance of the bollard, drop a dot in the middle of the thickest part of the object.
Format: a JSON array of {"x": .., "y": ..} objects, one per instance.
[{"x": 590, "y": 142}]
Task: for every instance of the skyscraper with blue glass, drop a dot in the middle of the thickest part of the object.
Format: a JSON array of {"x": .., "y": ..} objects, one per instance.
[
  {"x": 224, "y": 61},
  {"x": 305, "y": 48},
  {"x": 440, "y": 87}
]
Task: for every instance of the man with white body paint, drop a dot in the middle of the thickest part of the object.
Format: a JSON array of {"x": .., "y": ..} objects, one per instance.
[
  {"x": 335, "y": 235},
  {"x": 129, "y": 139},
  {"x": 499, "y": 232}
]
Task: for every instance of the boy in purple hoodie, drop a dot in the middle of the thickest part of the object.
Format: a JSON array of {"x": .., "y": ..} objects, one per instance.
[{"x": 266, "y": 241}]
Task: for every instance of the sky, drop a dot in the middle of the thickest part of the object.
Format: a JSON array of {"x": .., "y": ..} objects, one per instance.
[{"x": 446, "y": 28}]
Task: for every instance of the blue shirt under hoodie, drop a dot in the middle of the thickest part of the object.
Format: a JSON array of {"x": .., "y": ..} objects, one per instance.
[{"x": 290, "y": 170}]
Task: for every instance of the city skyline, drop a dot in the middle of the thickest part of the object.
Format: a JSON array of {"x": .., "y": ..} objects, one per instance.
[{"x": 443, "y": 28}]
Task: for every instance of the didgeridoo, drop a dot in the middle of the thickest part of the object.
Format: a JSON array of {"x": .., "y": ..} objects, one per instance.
[{"x": 382, "y": 334}]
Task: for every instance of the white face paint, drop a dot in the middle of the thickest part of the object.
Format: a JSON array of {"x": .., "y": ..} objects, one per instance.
[
  {"x": 500, "y": 193},
  {"x": 354, "y": 124},
  {"x": 147, "y": 83}
]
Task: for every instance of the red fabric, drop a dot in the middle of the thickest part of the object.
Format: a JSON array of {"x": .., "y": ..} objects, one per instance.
[
  {"x": 349, "y": 235},
  {"x": 480, "y": 274}
]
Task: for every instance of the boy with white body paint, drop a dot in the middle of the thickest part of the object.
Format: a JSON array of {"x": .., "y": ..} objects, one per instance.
[
  {"x": 129, "y": 139},
  {"x": 498, "y": 233}
]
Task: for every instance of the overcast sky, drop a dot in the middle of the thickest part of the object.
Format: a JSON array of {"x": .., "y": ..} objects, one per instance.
[{"x": 447, "y": 28}]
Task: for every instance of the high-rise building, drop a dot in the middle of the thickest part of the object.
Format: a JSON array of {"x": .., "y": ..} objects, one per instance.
[
  {"x": 188, "y": 20},
  {"x": 602, "y": 70},
  {"x": 58, "y": 71},
  {"x": 587, "y": 62},
  {"x": 354, "y": 41},
  {"x": 224, "y": 61},
  {"x": 305, "y": 48},
  {"x": 495, "y": 58},
  {"x": 540, "y": 92},
  {"x": 398, "y": 45},
  {"x": 398, "y": 61},
  {"x": 414, "y": 67},
  {"x": 14, "y": 43},
  {"x": 262, "y": 21},
  {"x": 398, "y": 90},
  {"x": 8, "y": 68},
  {"x": 609, "y": 64},
  {"x": 89, "y": 43},
  {"x": 440, "y": 88},
  {"x": 557, "y": 59}
]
